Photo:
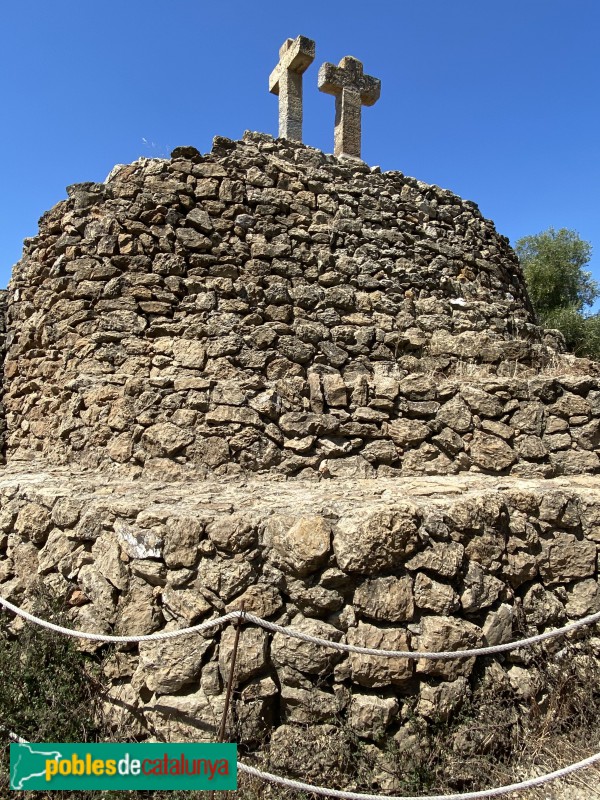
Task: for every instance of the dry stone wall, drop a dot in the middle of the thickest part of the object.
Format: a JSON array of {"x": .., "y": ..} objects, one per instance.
[
  {"x": 428, "y": 564},
  {"x": 266, "y": 306}
]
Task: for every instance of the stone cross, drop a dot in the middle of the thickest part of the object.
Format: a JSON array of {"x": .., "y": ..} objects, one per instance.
[
  {"x": 352, "y": 89},
  {"x": 295, "y": 56}
]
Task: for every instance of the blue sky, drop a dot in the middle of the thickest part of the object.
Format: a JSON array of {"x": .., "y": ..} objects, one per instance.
[{"x": 496, "y": 100}]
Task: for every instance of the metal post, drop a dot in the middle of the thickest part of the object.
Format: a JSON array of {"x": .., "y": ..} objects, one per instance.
[{"x": 230, "y": 681}]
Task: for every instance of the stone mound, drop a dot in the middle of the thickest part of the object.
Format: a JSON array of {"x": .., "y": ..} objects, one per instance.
[{"x": 267, "y": 306}]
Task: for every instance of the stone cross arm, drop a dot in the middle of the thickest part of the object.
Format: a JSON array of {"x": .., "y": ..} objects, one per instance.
[
  {"x": 295, "y": 56},
  {"x": 349, "y": 75}
]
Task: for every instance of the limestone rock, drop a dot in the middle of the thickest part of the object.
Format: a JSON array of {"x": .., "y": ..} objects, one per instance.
[
  {"x": 481, "y": 402},
  {"x": 374, "y": 671},
  {"x": 447, "y": 634},
  {"x": 57, "y": 554},
  {"x": 306, "y": 657},
  {"x": 583, "y": 598},
  {"x": 520, "y": 568},
  {"x": 137, "y": 613},
  {"x": 575, "y": 462},
  {"x": 334, "y": 390},
  {"x": 441, "y": 701},
  {"x": 300, "y": 424},
  {"x": 233, "y": 534},
  {"x": 190, "y": 716},
  {"x": 531, "y": 447},
  {"x": 240, "y": 416},
  {"x": 166, "y": 439},
  {"x": 570, "y": 405},
  {"x": 529, "y": 419},
  {"x": 525, "y": 681},
  {"x": 167, "y": 665},
  {"x": 371, "y": 715},
  {"x": 407, "y": 432},
  {"x": 138, "y": 542},
  {"x": 455, "y": 414},
  {"x": 89, "y": 527},
  {"x": 307, "y": 706},
  {"x": 352, "y": 467},
  {"x": 498, "y": 625},
  {"x": 227, "y": 578},
  {"x": 303, "y": 545},
  {"x": 434, "y": 596},
  {"x": 189, "y": 353},
  {"x": 186, "y": 606},
  {"x": 261, "y": 599},
  {"x": 491, "y": 453},
  {"x": 252, "y": 653},
  {"x": 97, "y": 589},
  {"x": 380, "y": 542},
  {"x": 66, "y": 511},
  {"x": 33, "y": 522},
  {"x": 479, "y": 590},
  {"x": 181, "y": 541},
  {"x": 542, "y": 607},
  {"x": 314, "y": 601},
  {"x": 25, "y": 562},
  {"x": 565, "y": 558},
  {"x": 153, "y": 572},
  {"x": 105, "y": 552},
  {"x": 386, "y": 599},
  {"x": 440, "y": 558}
]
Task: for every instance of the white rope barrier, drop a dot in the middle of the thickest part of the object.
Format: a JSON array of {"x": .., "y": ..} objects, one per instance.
[
  {"x": 16, "y": 738},
  {"x": 341, "y": 795},
  {"x": 418, "y": 654},
  {"x": 305, "y": 637},
  {"x": 497, "y": 792},
  {"x": 101, "y": 637}
]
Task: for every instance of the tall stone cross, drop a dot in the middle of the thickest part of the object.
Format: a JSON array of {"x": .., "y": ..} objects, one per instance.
[
  {"x": 295, "y": 56},
  {"x": 352, "y": 89}
]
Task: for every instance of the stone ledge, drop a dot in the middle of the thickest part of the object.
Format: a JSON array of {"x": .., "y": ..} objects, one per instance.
[
  {"x": 418, "y": 563},
  {"x": 272, "y": 492}
]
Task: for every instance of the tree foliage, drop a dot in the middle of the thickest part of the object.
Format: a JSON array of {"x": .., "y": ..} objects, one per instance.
[{"x": 560, "y": 288}]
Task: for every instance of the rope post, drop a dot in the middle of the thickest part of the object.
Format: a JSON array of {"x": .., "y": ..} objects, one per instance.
[
  {"x": 236, "y": 641},
  {"x": 230, "y": 681}
]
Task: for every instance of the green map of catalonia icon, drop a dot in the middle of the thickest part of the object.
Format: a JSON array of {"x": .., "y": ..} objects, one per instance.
[{"x": 36, "y": 764}]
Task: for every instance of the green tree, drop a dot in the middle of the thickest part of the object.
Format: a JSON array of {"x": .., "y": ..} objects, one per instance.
[{"x": 560, "y": 288}]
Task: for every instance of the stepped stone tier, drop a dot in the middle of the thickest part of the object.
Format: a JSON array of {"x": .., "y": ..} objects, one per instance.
[
  {"x": 433, "y": 563},
  {"x": 266, "y": 306},
  {"x": 427, "y": 455}
]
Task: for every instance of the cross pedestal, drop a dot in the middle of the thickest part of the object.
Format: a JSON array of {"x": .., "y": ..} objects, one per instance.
[
  {"x": 295, "y": 56},
  {"x": 352, "y": 90}
]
